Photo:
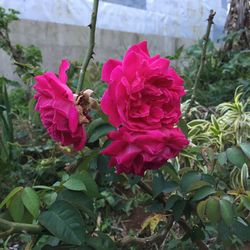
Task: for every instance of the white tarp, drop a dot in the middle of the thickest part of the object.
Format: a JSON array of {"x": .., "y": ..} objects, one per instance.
[{"x": 174, "y": 18}]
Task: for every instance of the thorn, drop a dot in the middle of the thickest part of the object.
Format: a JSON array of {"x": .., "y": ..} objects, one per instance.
[{"x": 90, "y": 25}]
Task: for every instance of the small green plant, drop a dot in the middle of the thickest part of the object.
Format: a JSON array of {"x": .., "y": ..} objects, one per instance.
[
  {"x": 7, "y": 133},
  {"x": 223, "y": 71}
]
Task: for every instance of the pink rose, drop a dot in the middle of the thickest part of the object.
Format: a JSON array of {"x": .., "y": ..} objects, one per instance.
[
  {"x": 136, "y": 152},
  {"x": 143, "y": 92},
  {"x": 56, "y": 104}
]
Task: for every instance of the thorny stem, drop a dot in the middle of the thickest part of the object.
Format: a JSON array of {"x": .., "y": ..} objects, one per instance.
[
  {"x": 200, "y": 244},
  {"x": 91, "y": 46},
  {"x": 202, "y": 60}
]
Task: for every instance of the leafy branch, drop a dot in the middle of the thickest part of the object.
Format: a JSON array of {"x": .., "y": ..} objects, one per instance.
[
  {"x": 91, "y": 46},
  {"x": 202, "y": 60},
  {"x": 26, "y": 59},
  {"x": 200, "y": 244}
]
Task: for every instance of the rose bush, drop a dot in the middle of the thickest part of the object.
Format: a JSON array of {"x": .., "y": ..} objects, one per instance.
[
  {"x": 56, "y": 104},
  {"x": 143, "y": 92},
  {"x": 136, "y": 152}
]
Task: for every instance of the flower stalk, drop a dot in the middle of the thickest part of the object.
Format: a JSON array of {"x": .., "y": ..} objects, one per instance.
[
  {"x": 202, "y": 60},
  {"x": 90, "y": 51}
]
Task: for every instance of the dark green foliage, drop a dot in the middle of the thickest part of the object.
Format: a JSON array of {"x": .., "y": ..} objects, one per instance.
[
  {"x": 222, "y": 73},
  {"x": 6, "y": 17}
]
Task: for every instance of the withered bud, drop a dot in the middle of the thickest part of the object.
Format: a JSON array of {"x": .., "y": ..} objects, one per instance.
[{"x": 84, "y": 103}]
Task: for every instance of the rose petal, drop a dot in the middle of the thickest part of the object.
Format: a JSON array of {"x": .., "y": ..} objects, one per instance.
[{"x": 64, "y": 66}]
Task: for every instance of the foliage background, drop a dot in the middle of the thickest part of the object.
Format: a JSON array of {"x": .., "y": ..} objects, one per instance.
[{"x": 199, "y": 199}]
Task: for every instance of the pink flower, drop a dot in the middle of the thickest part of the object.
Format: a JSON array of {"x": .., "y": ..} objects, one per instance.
[
  {"x": 143, "y": 92},
  {"x": 136, "y": 152},
  {"x": 56, "y": 104}
]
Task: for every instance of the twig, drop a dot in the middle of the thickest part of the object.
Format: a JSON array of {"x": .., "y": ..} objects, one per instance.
[
  {"x": 14, "y": 227},
  {"x": 23, "y": 65},
  {"x": 155, "y": 238},
  {"x": 91, "y": 46},
  {"x": 202, "y": 60},
  {"x": 200, "y": 244}
]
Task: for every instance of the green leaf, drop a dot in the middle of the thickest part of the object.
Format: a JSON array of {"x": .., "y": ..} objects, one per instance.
[
  {"x": 201, "y": 209},
  {"x": 102, "y": 242},
  {"x": 85, "y": 163},
  {"x": 203, "y": 192},
  {"x": 246, "y": 149},
  {"x": 226, "y": 212},
  {"x": 31, "y": 201},
  {"x": 196, "y": 122},
  {"x": 246, "y": 201},
  {"x": 208, "y": 178},
  {"x": 133, "y": 179},
  {"x": 16, "y": 208},
  {"x": 78, "y": 200},
  {"x": 222, "y": 158},
  {"x": 91, "y": 186},
  {"x": 2, "y": 108},
  {"x": 75, "y": 183},
  {"x": 196, "y": 185},
  {"x": 171, "y": 201},
  {"x": 65, "y": 222},
  {"x": 161, "y": 185},
  {"x": 213, "y": 210},
  {"x": 27, "y": 217},
  {"x": 49, "y": 198},
  {"x": 244, "y": 176},
  {"x": 43, "y": 187},
  {"x": 183, "y": 126},
  {"x": 178, "y": 209},
  {"x": 169, "y": 169},
  {"x": 10, "y": 195},
  {"x": 241, "y": 229},
  {"x": 170, "y": 186},
  {"x": 215, "y": 123},
  {"x": 6, "y": 98},
  {"x": 197, "y": 233},
  {"x": 100, "y": 132},
  {"x": 188, "y": 180},
  {"x": 158, "y": 184},
  {"x": 93, "y": 125},
  {"x": 236, "y": 156}
]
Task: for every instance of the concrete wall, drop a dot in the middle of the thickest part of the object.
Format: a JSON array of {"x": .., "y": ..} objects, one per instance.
[{"x": 59, "y": 41}]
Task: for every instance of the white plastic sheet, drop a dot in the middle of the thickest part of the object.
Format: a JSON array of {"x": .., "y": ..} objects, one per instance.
[{"x": 175, "y": 18}]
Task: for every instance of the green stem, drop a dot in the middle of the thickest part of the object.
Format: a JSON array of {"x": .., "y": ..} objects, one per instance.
[
  {"x": 14, "y": 227},
  {"x": 23, "y": 65},
  {"x": 91, "y": 46},
  {"x": 202, "y": 60}
]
